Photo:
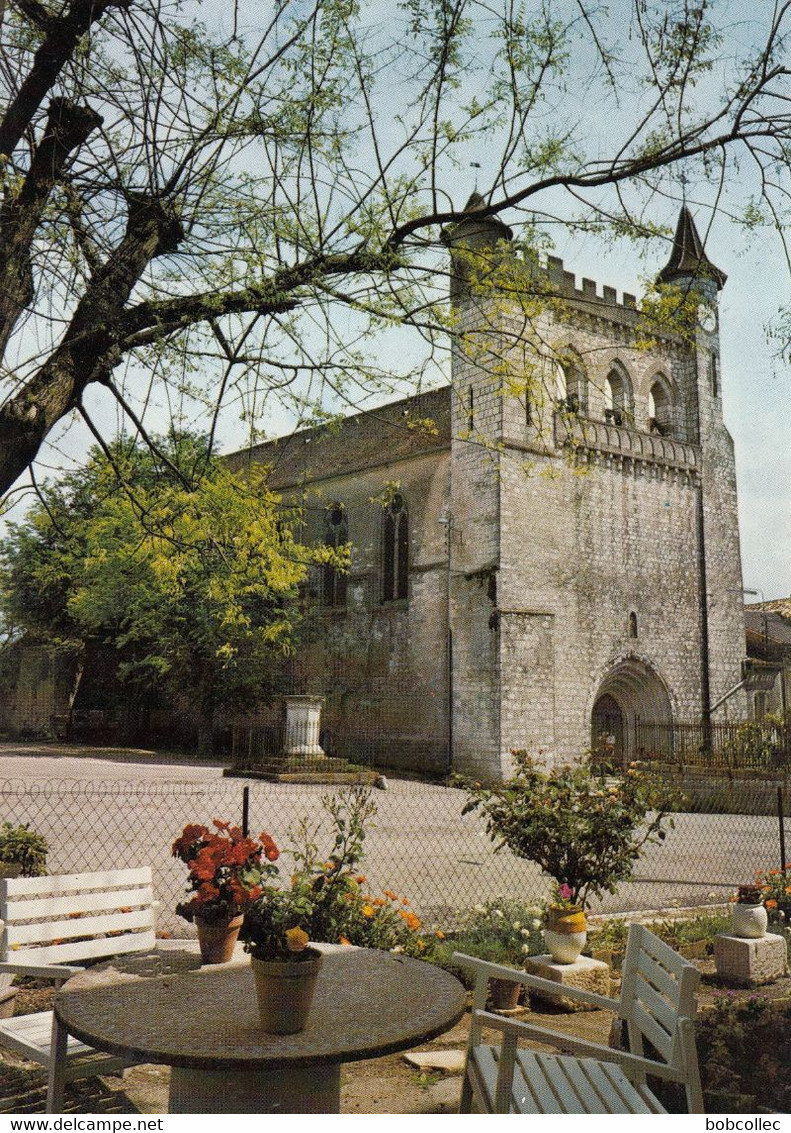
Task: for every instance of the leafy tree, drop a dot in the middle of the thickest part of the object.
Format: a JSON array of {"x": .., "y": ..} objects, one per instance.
[
  {"x": 189, "y": 571},
  {"x": 236, "y": 210}
]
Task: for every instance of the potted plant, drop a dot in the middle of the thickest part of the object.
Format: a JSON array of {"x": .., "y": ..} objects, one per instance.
[
  {"x": 585, "y": 826},
  {"x": 285, "y": 967},
  {"x": 565, "y": 926},
  {"x": 23, "y": 853},
  {"x": 775, "y": 892},
  {"x": 226, "y": 871},
  {"x": 749, "y": 917}
]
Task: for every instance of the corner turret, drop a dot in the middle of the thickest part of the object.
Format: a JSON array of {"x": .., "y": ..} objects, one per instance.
[
  {"x": 472, "y": 242},
  {"x": 689, "y": 266}
]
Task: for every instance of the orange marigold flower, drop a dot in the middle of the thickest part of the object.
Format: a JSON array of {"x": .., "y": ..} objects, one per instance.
[
  {"x": 368, "y": 911},
  {"x": 343, "y": 940},
  {"x": 378, "y": 901},
  {"x": 404, "y": 901},
  {"x": 440, "y": 935},
  {"x": 391, "y": 896},
  {"x": 361, "y": 879},
  {"x": 771, "y": 904},
  {"x": 410, "y": 920},
  {"x": 774, "y": 872},
  {"x": 421, "y": 944}
]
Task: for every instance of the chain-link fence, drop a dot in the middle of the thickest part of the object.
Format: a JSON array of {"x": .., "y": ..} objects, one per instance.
[{"x": 419, "y": 843}]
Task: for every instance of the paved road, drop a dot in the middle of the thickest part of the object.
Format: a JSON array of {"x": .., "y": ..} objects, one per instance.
[{"x": 127, "y": 807}]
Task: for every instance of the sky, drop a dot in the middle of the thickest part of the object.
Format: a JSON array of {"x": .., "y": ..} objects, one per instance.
[{"x": 755, "y": 383}]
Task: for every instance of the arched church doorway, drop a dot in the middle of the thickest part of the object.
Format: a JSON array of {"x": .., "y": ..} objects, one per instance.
[
  {"x": 607, "y": 738},
  {"x": 630, "y": 693}
]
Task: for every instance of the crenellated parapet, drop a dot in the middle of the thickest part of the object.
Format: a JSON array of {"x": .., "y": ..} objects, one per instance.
[{"x": 565, "y": 284}]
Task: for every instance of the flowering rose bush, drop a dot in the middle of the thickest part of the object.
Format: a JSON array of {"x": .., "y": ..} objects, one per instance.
[
  {"x": 501, "y": 931},
  {"x": 226, "y": 869},
  {"x": 584, "y": 828}
]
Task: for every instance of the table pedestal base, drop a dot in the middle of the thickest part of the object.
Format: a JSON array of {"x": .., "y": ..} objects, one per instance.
[{"x": 309, "y": 1089}]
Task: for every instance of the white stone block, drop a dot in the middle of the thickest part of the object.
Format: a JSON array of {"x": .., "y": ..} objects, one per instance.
[
  {"x": 585, "y": 972},
  {"x": 748, "y": 963}
]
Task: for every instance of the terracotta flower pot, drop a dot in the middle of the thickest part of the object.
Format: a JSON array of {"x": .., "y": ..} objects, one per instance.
[
  {"x": 216, "y": 939},
  {"x": 285, "y": 991},
  {"x": 565, "y": 933},
  {"x": 504, "y": 995}
]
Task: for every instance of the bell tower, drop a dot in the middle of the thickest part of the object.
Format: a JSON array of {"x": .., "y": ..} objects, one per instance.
[
  {"x": 690, "y": 269},
  {"x": 719, "y": 562}
]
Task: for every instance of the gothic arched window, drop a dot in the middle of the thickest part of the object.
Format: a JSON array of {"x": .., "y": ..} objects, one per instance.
[
  {"x": 660, "y": 408},
  {"x": 618, "y": 397},
  {"x": 395, "y": 550},
  {"x": 336, "y": 534}
]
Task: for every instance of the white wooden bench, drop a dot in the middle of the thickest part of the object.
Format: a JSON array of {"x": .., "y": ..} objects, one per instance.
[
  {"x": 49, "y": 923},
  {"x": 657, "y": 1002}
]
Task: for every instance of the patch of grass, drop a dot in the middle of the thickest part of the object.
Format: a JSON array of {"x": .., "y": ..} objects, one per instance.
[{"x": 427, "y": 1078}]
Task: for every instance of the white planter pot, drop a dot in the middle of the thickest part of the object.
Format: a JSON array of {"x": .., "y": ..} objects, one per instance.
[
  {"x": 564, "y": 947},
  {"x": 748, "y": 921}
]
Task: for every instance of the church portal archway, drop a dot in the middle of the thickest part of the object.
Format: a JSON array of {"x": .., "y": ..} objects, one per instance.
[{"x": 632, "y": 691}]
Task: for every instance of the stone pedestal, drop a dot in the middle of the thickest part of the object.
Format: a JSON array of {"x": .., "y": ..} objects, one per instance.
[
  {"x": 592, "y": 975},
  {"x": 748, "y": 963},
  {"x": 303, "y": 723}
]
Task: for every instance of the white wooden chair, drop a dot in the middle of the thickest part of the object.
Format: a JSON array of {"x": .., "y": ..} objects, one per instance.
[
  {"x": 47, "y": 923},
  {"x": 657, "y": 1002}
]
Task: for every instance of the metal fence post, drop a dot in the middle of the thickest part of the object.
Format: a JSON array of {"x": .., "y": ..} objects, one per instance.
[{"x": 781, "y": 823}]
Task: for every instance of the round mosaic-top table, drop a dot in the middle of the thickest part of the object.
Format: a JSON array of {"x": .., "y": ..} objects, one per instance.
[{"x": 204, "y": 1023}]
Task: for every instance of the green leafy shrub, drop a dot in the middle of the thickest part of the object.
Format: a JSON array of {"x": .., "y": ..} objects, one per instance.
[
  {"x": 19, "y": 845},
  {"x": 583, "y": 826},
  {"x": 744, "y": 1049},
  {"x": 612, "y": 934}
]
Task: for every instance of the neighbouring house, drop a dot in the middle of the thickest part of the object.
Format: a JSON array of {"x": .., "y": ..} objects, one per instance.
[{"x": 768, "y": 633}]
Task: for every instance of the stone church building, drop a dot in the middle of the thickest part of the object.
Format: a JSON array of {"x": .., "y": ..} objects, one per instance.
[{"x": 544, "y": 553}]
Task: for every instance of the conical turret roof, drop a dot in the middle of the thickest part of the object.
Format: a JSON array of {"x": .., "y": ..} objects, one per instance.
[
  {"x": 473, "y": 222},
  {"x": 688, "y": 257}
]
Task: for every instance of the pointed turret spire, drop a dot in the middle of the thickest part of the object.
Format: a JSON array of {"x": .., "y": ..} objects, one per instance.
[{"x": 688, "y": 258}]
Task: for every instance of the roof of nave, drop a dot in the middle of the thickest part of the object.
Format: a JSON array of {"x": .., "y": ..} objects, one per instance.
[{"x": 389, "y": 433}]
